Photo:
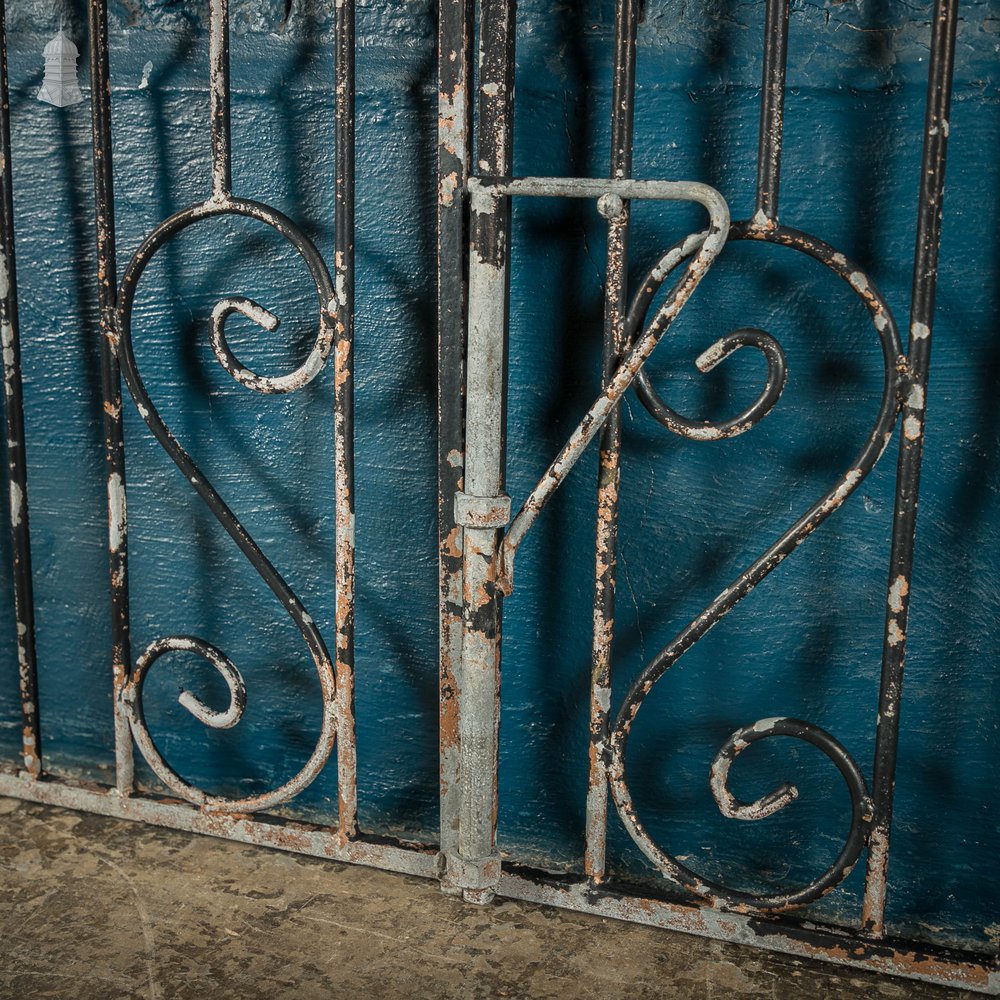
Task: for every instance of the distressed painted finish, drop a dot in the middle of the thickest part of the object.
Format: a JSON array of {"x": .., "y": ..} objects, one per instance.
[
  {"x": 482, "y": 509},
  {"x": 486, "y": 411},
  {"x": 394, "y": 710},
  {"x": 17, "y": 477},
  {"x": 455, "y": 59}
]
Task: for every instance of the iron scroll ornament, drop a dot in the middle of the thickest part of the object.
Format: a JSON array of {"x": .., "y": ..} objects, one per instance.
[
  {"x": 300, "y": 377},
  {"x": 894, "y": 387}
]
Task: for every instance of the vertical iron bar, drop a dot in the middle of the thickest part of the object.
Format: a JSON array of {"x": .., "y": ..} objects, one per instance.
[
  {"x": 482, "y": 509},
  {"x": 17, "y": 473},
  {"x": 455, "y": 21},
  {"x": 772, "y": 111},
  {"x": 609, "y": 463},
  {"x": 218, "y": 70},
  {"x": 925, "y": 272},
  {"x": 347, "y": 791},
  {"x": 114, "y": 442}
]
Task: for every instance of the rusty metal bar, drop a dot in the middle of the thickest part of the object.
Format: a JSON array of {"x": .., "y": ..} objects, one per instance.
[
  {"x": 343, "y": 381},
  {"x": 805, "y": 939},
  {"x": 455, "y": 21},
  {"x": 702, "y": 249},
  {"x": 911, "y": 442},
  {"x": 114, "y": 441},
  {"x": 17, "y": 472},
  {"x": 772, "y": 110},
  {"x": 218, "y": 60},
  {"x": 482, "y": 508},
  {"x": 609, "y": 458},
  {"x": 263, "y": 831}
]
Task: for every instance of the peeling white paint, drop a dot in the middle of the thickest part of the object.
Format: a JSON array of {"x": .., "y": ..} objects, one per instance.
[
  {"x": 703, "y": 433},
  {"x": 602, "y": 696},
  {"x": 843, "y": 491},
  {"x": 899, "y": 589},
  {"x": 16, "y": 504},
  {"x": 116, "y": 511}
]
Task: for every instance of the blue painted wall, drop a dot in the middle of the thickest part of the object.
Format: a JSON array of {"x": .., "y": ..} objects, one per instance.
[{"x": 807, "y": 643}]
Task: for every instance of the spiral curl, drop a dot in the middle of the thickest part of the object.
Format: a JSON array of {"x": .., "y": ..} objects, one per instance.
[
  {"x": 761, "y": 340},
  {"x": 318, "y": 355},
  {"x": 894, "y": 386}
]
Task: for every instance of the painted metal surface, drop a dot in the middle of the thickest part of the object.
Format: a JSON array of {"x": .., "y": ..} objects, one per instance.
[
  {"x": 454, "y": 40},
  {"x": 628, "y": 344},
  {"x": 17, "y": 472},
  {"x": 477, "y": 540}
]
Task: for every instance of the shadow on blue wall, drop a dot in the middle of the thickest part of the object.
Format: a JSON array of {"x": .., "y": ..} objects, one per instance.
[{"x": 807, "y": 643}]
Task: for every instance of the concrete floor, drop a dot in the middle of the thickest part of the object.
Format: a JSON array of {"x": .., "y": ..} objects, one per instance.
[{"x": 100, "y": 908}]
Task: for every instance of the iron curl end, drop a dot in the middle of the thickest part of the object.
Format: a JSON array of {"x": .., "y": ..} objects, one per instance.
[
  {"x": 266, "y": 320},
  {"x": 763, "y": 807},
  {"x": 211, "y": 654},
  {"x": 724, "y": 347},
  {"x": 767, "y": 805},
  {"x": 131, "y": 695}
]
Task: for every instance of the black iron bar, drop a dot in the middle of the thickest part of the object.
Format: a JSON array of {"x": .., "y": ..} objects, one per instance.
[
  {"x": 609, "y": 459},
  {"x": 218, "y": 60},
  {"x": 343, "y": 366},
  {"x": 455, "y": 23},
  {"x": 114, "y": 442},
  {"x": 911, "y": 442},
  {"x": 772, "y": 111},
  {"x": 17, "y": 472}
]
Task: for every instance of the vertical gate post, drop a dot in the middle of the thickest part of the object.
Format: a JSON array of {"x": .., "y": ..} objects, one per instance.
[
  {"x": 111, "y": 388},
  {"x": 482, "y": 509},
  {"x": 455, "y": 19},
  {"x": 609, "y": 461},
  {"x": 925, "y": 272},
  {"x": 17, "y": 470}
]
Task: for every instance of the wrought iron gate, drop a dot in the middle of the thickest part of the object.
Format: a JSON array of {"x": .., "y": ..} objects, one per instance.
[{"x": 478, "y": 539}]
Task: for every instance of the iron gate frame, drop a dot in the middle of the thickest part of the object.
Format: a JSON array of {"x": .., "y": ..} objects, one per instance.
[{"x": 477, "y": 537}]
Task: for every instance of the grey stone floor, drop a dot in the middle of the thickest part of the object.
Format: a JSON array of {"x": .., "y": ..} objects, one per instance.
[{"x": 99, "y": 908}]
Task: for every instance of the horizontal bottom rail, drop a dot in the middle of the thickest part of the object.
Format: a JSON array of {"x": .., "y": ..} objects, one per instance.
[
  {"x": 299, "y": 838},
  {"x": 979, "y": 973},
  {"x": 840, "y": 946}
]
